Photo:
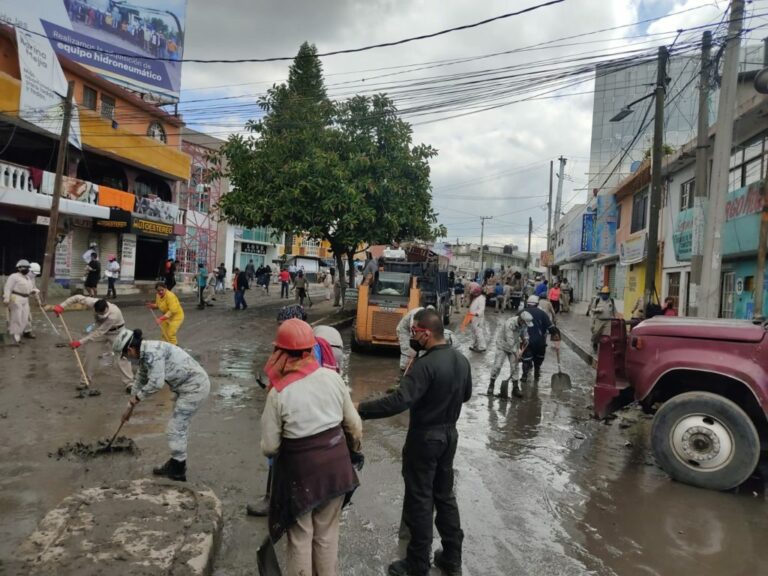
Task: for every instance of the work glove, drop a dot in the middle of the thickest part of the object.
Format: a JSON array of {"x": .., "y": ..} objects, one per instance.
[
  {"x": 151, "y": 305},
  {"x": 58, "y": 310},
  {"x": 35, "y": 291},
  {"x": 75, "y": 344},
  {"x": 160, "y": 320},
  {"x": 357, "y": 459}
]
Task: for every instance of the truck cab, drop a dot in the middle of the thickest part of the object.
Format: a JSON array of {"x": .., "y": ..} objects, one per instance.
[{"x": 705, "y": 381}]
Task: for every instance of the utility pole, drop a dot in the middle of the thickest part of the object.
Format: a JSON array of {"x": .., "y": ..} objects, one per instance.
[
  {"x": 559, "y": 201},
  {"x": 709, "y": 304},
  {"x": 50, "y": 243},
  {"x": 482, "y": 233},
  {"x": 700, "y": 183},
  {"x": 656, "y": 157},
  {"x": 549, "y": 218},
  {"x": 530, "y": 232}
]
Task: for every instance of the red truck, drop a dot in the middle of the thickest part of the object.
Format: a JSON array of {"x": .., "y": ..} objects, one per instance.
[{"x": 706, "y": 381}]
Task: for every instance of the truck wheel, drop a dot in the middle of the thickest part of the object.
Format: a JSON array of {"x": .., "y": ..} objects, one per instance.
[
  {"x": 354, "y": 344},
  {"x": 705, "y": 440}
]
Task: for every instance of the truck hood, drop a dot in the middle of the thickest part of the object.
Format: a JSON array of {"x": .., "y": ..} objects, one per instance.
[{"x": 676, "y": 327}]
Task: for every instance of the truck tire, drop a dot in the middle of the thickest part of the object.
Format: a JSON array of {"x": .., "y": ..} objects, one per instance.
[
  {"x": 705, "y": 440},
  {"x": 354, "y": 344}
]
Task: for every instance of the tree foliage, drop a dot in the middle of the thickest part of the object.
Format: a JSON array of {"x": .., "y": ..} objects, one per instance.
[{"x": 347, "y": 172}]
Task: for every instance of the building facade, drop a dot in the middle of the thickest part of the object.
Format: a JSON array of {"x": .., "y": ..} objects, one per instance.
[{"x": 119, "y": 191}]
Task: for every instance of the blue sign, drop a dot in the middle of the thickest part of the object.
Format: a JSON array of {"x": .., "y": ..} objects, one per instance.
[
  {"x": 605, "y": 224},
  {"x": 588, "y": 232}
]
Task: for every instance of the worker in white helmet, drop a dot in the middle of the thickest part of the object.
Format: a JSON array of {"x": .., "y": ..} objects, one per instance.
[{"x": 18, "y": 289}]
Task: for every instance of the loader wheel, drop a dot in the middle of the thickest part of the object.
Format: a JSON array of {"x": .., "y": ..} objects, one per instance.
[{"x": 705, "y": 440}]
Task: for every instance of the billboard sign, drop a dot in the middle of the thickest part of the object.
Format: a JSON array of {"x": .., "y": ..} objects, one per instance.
[{"x": 135, "y": 43}]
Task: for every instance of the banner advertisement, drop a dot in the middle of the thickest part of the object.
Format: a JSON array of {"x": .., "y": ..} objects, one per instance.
[
  {"x": 605, "y": 224},
  {"x": 62, "y": 260},
  {"x": 128, "y": 257},
  {"x": 138, "y": 45},
  {"x": 119, "y": 221},
  {"x": 682, "y": 237},
  {"x": 633, "y": 250},
  {"x": 71, "y": 188},
  {"x": 742, "y": 220},
  {"x": 151, "y": 228},
  {"x": 157, "y": 209},
  {"x": 43, "y": 87}
]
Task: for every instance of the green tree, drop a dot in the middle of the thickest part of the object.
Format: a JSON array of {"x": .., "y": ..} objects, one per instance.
[{"x": 343, "y": 172}]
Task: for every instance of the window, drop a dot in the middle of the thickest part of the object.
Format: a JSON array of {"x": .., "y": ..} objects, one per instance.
[
  {"x": 639, "y": 211},
  {"x": 687, "y": 192},
  {"x": 728, "y": 295},
  {"x": 310, "y": 247},
  {"x": 107, "y": 107},
  {"x": 89, "y": 98},
  {"x": 202, "y": 199}
]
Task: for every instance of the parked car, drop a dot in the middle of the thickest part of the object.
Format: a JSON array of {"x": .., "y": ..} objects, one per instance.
[{"x": 705, "y": 381}]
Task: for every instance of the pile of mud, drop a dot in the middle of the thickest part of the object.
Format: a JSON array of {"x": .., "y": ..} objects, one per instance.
[{"x": 86, "y": 451}]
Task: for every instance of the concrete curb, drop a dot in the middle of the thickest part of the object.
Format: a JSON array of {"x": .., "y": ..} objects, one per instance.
[{"x": 582, "y": 352}]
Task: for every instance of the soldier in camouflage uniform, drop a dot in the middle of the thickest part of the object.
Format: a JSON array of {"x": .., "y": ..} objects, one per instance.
[
  {"x": 160, "y": 363},
  {"x": 511, "y": 340}
]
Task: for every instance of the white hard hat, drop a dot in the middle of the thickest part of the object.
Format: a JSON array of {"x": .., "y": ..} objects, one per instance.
[
  {"x": 35, "y": 268},
  {"x": 329, "y": 334},
  {"x": 121, "y": 340},
  {"x": 430, "y": 307},
  {"x": 533, "y": 300},
  {"x": 527, "y": 318},
  {"x": 22, "y": 263}
]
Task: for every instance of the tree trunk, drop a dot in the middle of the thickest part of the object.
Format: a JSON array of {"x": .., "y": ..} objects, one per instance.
[
  {"x": 338, "y": 291},
  {"x": 351, "y": 260}
]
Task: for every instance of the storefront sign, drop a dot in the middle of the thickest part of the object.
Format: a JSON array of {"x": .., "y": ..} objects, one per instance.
[
  {"x": 742, "y": 220},
  {"x": 63, "y": 259},
  {"x": 682, "y": 237},
  {"x": 128, "y": 257},
  {"x": 744, "y": 201},
  {"x": 633, "y": 251},
  {"x": 253, "y": 248},
  {"x": 157, "y": 209},
  {"x": 151, "y": 228},
  {"x": 119, "y": 221},
  {"x": 43, "y": 221},
  {"x": 588, "y": 232}
]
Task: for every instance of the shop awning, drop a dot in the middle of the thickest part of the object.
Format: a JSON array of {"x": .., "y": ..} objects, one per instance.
[{"x": 606, "y": 259}]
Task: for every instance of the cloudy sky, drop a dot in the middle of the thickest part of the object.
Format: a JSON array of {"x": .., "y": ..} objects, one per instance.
[{"x": 490, "y": 163}]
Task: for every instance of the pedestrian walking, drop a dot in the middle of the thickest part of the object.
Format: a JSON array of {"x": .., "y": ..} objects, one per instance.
[
  {"x": 565, "y": 296},
  {"x": 434, "y": 389},
  {"x": 107, "y": 323},
  {"x": 202, "y": 280},
  {"x": 511, "y": 341},
  {"x": 498, "y": 294},
  {"x": 92, "y": 275},
  {"x": 173, "y": 314},
  {"x": 250, "y": 270},
  {"x": 292, "y": 271},
  {"x": 458, "y": 294},
  {"x": 327, "y": 285},
  {"x": 554, "y": 297},
  {"x": 267, "y": 277},
  {"x": 307, "y": 415},
  {"x": 160, "y": 363},
  {"x": 602, "y": 312},
  {"x": 221, "y": 276},
  {"x": 407, "y": 354},
  {"x": 240, "y": 285},
  {"x": 18, "y": 288},
  {"x": 534, "y": 353},
  {"x": 285, "y": 283},
  {"x": 300, "y": 287},
  {"x": 170, "y": 274},
  {"x": 477, "y": 312},
  {"x": 112, "y": 273},
  {"x": 542, "y": 288}
]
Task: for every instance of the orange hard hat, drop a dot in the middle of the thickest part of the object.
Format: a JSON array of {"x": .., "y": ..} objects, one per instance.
[{"x": 295, "y": 334}]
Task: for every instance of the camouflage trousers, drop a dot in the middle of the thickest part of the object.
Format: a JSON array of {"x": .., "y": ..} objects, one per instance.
[{"x": 185, "y": 407}]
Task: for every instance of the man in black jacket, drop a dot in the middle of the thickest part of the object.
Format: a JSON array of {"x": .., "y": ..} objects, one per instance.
[
  {"x": 434, "y": 389},
  {"x": 533, "y": 356},
  {"x": 241, "y": 285}
]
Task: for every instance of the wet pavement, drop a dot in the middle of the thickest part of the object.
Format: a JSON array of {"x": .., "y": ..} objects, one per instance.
[{"x": 542, "y": 488}]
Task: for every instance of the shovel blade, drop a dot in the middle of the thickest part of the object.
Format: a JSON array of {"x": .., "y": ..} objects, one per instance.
[
  {"x": 560, "y": 380},
  {"x": 267, "y": 559}
]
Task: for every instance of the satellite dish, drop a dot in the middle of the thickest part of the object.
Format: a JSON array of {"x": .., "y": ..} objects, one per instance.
[{"x": 761, "y": 81}]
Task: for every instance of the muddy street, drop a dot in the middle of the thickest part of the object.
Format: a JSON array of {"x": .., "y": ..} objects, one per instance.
[{"x": 542, "y": 487}]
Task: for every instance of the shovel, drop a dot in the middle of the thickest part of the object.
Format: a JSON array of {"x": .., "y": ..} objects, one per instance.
[
  {"x": 266, "y": 558},
  {"x": 88, "y": 391},
  {"x": 39, "y": 303},
  {"x": 560, "y": 379},
  {"x": 162, "y": 328}
]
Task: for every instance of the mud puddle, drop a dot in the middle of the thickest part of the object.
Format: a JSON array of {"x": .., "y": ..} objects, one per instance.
[{"x": 85, "y": 451}]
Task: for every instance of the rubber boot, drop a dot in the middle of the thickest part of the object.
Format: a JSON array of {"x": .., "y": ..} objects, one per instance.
[
  {"x": 173, "y": 469},
  {"x": 516, "y": 389},
  {"x": 449, "y": 568},
  {"x": 261, "y": 508},
  {"x": 489, "y": 392},
  {"x": 504, "y": 391}
]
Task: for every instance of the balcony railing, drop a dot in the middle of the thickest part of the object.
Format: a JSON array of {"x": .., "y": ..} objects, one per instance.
[{"x": 15, "y": 177}]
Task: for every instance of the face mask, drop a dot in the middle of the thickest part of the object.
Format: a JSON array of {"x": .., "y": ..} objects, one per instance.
[
  {"x": 102, "y": 316},
  {"x": 24, "y": 271},
  {"x": 415, "y": 345},
  {"x": 603, "y": 296}
]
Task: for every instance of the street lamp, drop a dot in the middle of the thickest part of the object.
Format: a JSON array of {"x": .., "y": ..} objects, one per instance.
[{"x": 627, "y": 110}]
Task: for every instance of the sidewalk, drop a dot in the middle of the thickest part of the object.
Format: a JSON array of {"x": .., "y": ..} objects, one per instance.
[{"x": 575, "y": 328}]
